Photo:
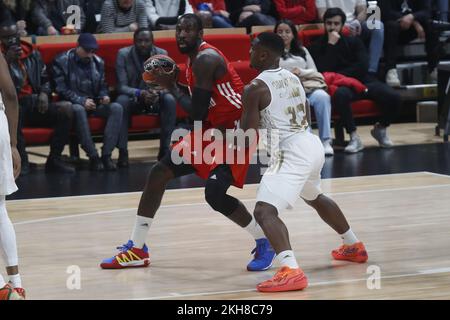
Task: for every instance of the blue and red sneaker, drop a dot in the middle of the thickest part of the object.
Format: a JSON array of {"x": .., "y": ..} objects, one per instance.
[
  {"x": 128, "y": 257},
  {"x": 264, "y": 256}
]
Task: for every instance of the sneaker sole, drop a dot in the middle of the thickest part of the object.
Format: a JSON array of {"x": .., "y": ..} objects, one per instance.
[
  {"x": 132, "y": 264},
  {"x": 358, "y": 259},
  {"x": 302, "y": 284}
]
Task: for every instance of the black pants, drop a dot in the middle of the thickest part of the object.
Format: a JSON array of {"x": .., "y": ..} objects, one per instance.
[
  {"x": 386, "y": 98},
  {"x": 58, "y": 116},
  {"x": 395, "y": 37}
]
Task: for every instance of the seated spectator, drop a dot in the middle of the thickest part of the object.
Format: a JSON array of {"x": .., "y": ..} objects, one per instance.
[
  {"x": 52, "y": 17},
  {"x": 16, "y": 12},
  {"x": 404, "y": 21},
  {"x": 298, "y": 11},
  {"x": 356, "y": 12},
  {"x": 163, "y": 14},
  {"x": 29, "y": 75},
  {"x": 135, "y": 97},
  {"x": 123, "y": 16},
  {"x": 79, "y": 77},
  {"x": 216, "y": 9},
  {"x": 248, "y": 13},
  {"x": 298, "y": 60},
  {"x": 347, "y": 56},
  {"x": 92, "y": 9}
]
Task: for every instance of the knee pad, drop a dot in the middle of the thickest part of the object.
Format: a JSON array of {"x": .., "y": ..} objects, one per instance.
[{"x": 216, "y": 192}]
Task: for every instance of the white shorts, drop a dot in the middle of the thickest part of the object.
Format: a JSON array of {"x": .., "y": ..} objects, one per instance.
[
  {"x": 7, "y": 183},
  {"x": 294, "y": 172}
]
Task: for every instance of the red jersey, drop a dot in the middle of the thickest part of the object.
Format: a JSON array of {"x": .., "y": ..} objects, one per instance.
[
  {"x": 225, "y": 107},
  {"x": 224, "y": 113}
]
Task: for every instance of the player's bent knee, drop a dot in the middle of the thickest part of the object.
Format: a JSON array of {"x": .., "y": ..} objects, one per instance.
[
  {"x": 264, "y": 210},
  {"x": 216, "y": 197}
]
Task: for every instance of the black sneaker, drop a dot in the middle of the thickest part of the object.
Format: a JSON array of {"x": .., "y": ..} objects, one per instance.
[
  {"x": 123, "y": 162},
  {"x": 108, "y": 164},
  {"x": 95, "y": 164},
  {"x": 25, "y": 168},
  {"x": 55, "y": 164}
]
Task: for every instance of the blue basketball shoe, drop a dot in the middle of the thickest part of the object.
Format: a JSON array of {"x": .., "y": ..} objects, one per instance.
[{"x": 264, "y": 256}]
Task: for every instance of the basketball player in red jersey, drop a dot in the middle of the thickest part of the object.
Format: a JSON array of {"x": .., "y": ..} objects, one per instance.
[{"x": 213, "y": 96}]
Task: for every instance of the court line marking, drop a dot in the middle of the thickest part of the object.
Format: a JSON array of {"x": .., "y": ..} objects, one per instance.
[
  {"x": 314, "y": 284},
  {"x": 198, "y": 188},
  {"x": 204, "y": 203},
  {"x": 437, "y": 174}
]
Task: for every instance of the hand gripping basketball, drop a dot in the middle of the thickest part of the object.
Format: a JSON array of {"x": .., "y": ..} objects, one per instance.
[{"x": 160, "y": 72}]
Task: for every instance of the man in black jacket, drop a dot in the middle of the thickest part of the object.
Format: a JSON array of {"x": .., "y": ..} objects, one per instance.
[
  {"x": 404, "y": 21},
  {"x": 79, "y": 77},
  {"x": 136, "y": 97},
  {"x": 348, "y": 56},
  {"x": 30, "y": 78}
]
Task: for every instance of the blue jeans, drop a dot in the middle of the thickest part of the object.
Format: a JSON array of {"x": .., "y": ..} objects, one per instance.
[
  {"x": 113, "y": 114},
  {"x": 442, "y": 6},
  {"x": 167, "y": 110},
  {"x": 375, "y": 40},
  {"x": 321, "y": 103},
  {"x": 221, "y": 22}
]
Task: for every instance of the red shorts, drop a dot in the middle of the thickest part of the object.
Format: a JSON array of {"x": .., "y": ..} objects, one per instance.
[{"x": 205, "y": 153}]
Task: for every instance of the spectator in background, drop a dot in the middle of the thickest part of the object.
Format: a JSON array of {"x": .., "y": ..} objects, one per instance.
[
  {"x": 347, "y": 56},
  {"x": 404, "y": 21},
  {"x": 216, "y": 9},
  {"x": 123, "y": 16},
  {"x": 79, "y": 77},
  {"x": 298, "y": 60},
  {"x": 356, "y": 12},
  {"x": 163, "y": 14},
  {"x": 248, "y": 13},
  {"x": 135, "y": 97},
  {"x": 298, "y": 11},
  {"x": 52, "y": 17},
  {"x": 17, "y": 12},
  {"x": 29, "y": 75},
  {"x": 92, "y": 9}
]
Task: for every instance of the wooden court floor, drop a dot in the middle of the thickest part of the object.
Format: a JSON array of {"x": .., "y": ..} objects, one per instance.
[{"x": 403, "y": 219}]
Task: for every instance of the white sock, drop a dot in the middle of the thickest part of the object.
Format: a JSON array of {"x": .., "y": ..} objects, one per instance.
[
  {"x": 2, "y": 282},
  {"x": 141, "y": 227},
  {"x": 287, "y": 259},
  {"x": 15, "y": 281},
  {"x": 8, "y": 246},
  {"x": 349, "y": 237},
  {"x": 255, "y": 230}
]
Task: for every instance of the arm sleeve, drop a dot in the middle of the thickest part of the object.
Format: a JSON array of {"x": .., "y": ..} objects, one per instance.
[
  {"x": 306, "y": 12},
  {"x": 39, "y": 16},
  {"x": 122, "y": 77}
]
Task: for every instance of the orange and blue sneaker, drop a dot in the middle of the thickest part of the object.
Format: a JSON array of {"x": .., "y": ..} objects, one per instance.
[
  {"x": 354, "y": 253},
  {"x": 263, "y": 256},
  {"x": 128, "y": 257},
  {"x": 8, "y": 293},
  {"x": 286, "y": 279}
]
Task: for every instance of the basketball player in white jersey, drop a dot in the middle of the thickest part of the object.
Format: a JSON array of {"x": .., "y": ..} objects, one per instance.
[
  {"x": 276, "y": 101},
  {"x": 9, "y": 170}
]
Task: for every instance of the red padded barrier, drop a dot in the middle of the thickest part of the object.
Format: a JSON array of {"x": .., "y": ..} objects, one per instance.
[{"x": 37, "y": 135}]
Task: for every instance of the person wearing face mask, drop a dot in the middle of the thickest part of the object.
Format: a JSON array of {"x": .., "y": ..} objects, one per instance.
[
  {"x": 79, "y": 76},
  {"x": 136, "y": 97},
  {"x": 29, "y": 75}
]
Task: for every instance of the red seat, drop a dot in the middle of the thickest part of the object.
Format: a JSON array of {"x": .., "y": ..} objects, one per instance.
[
  {"x": 142, "y": 123},
  {"x": 37, "y": 135}
]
